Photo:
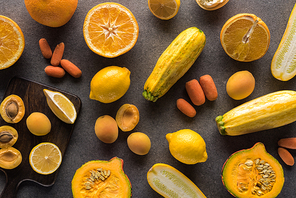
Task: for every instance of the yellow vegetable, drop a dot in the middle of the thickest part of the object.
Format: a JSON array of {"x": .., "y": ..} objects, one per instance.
[
  {"x": 283, "y": 65},
  {"x": 174, "y": 62},
  {"x": 266, "y": 112},
  {"x": 169, "y": 182}
]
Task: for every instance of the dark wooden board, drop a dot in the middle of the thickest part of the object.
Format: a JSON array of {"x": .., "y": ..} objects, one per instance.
[{"x": 60, "y": 134}]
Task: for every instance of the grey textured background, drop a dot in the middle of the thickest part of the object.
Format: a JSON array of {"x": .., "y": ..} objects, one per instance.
[{"x": 156, "y": 119}]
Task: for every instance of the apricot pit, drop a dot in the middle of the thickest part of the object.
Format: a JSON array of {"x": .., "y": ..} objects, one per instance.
[
  {"x": 127, "y": 117},
  {"x": 8, "y": 136},
  {"x": 12, "y": 109}
]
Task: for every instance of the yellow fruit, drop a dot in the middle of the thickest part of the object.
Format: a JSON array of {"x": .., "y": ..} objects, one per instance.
[
  {"x": 109, "y": 84},
  {"x": 240, "y": 85},
  {"x": 61, "y": 106},
  {"x": 187, "y": 146},
  {"x": 38, "y": 124},
  {"x": 211, "y": 4},
  {"x": 12, "y": 42},
  {"x": 169, "y": 182},
  {"x": 110, "y": 29},
  {"x": 45, "y": 158},
  {"x": 106, "y": 129},
  {"x": 245, "y": 37},
  {"x": 283, "y": 66},
  {"x": 52, "y": 13},
  {"x": 139, "y": 143},
  {"x": 164, "y": 9}
]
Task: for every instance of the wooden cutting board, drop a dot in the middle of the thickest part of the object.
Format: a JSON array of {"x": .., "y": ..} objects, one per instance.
[{"x": 60, "y": 134}]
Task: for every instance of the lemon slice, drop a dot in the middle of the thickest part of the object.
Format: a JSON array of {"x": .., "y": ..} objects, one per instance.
[
  {"x": 61, "y": 106},
  {"x": 164, "y": 9},
  {"x": 45, "y": 158},
  {"x": 169, "y": 182},
  {"x": 283, "y": 64}
]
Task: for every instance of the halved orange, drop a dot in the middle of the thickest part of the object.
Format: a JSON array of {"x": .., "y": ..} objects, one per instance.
[
  {"x": 245, "y": 37},
  {"x": 110, "y": 29},
  {"x": 12, "y": 42}
]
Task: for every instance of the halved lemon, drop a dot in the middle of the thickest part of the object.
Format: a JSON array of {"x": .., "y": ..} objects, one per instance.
[
  {"x": 110, "y": 29},
  {"x": 283, "y": 64},
  {"x": 164, "y": 9},
  {"x": 45, "y": 158},
  {"x": 12, "y": 42},
  {"x": 245, "y": 37},
  {"x": 61, "y": 106}
]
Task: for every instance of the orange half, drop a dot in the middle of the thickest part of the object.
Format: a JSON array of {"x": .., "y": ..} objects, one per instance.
[
  {"x": 110, "y": 29},
  {"x": 245, "y": 37},
  {"x": 12, "y": 42}
]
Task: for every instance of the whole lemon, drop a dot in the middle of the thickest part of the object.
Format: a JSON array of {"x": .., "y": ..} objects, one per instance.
[
  {"x": 52, "y": 13},
  {"x": 187, "y": 146},
  {"x": 109, "y": 84}
]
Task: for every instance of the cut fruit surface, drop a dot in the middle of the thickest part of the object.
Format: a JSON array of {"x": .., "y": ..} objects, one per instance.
[
  {"x": 61, "y": 106},
  {"x": 283, "y": 64},
  {"x": 169, "y": 182},
  {"x": 45, "y": 158},
  {"x": 12, "y": 42},
  {"x": 245, "y": 37},
  {"x": 164, "y": 9},
  {"x": 110, "y": 29}
]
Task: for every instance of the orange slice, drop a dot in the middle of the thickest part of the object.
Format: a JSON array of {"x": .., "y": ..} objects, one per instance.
[
  {"x": 164, "y": 9},
  {"x": 110, "y": 29},
  {"x": 45, "y": 158},
  {"x": 12, "y": 42},
  {"x": 245, "y": 37}
]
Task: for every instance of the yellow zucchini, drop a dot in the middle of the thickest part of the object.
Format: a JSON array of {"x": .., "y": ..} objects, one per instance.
[
  {"x": 266, "y": 112},
  {"x": 174, "y": 62}
]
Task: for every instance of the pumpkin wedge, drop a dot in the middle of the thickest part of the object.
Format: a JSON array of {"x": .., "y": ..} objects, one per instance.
[
  {"x": 99, "y": 178},
  {"x": 266, "y": 112},
  {"x": 252, "y": 173}
]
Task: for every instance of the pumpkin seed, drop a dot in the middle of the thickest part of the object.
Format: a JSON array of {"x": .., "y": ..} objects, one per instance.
[{"x": 96, "y": 175}]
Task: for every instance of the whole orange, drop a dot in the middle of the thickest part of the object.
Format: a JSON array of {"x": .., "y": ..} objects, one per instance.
[{"x": 52, "y": 13}]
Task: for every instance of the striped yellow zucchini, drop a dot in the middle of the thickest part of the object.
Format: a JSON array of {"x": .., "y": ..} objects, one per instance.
[
  {"x": 174, "y": 62},
  {"x": 266, "y": 112}
]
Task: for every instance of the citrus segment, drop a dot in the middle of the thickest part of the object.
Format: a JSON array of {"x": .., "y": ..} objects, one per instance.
[
  {"x": 45, "y": 158},
  {"x": 211, "y": 5},
  {"x": 283, "y": 64},
  {"x": 245, "y": 37},
  {"x": 110, "y": 29},
  {"x": 12, "y": 42},
  {"x": 169, "y": 182},
  {"x": 164, "y": 9},
  {"x": 61, "y": 106}
]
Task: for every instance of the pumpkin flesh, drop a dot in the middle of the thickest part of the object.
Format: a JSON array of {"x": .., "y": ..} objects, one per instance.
[
  {"x": 87, "y": 184},
  {"x": 252, "y": 173}
]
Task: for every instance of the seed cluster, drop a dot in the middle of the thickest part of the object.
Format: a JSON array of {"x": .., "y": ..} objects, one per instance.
[
  {"x": 262, "y": 177},
  {"x": 96, "y": 175}
]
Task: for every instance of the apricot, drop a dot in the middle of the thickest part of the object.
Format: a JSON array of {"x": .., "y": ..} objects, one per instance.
[
  {"x": 127, "y": 117},
  {"x": 10, "y": 158},
  {"x": 8, "y": 136},
  {"x": 106, "y": 129},
  {"x": 38, "y": 124},
  {"x": 139, "y": 143},
  {"x": 12, "y": 109},
  {"x": 240, "y": 85}
]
